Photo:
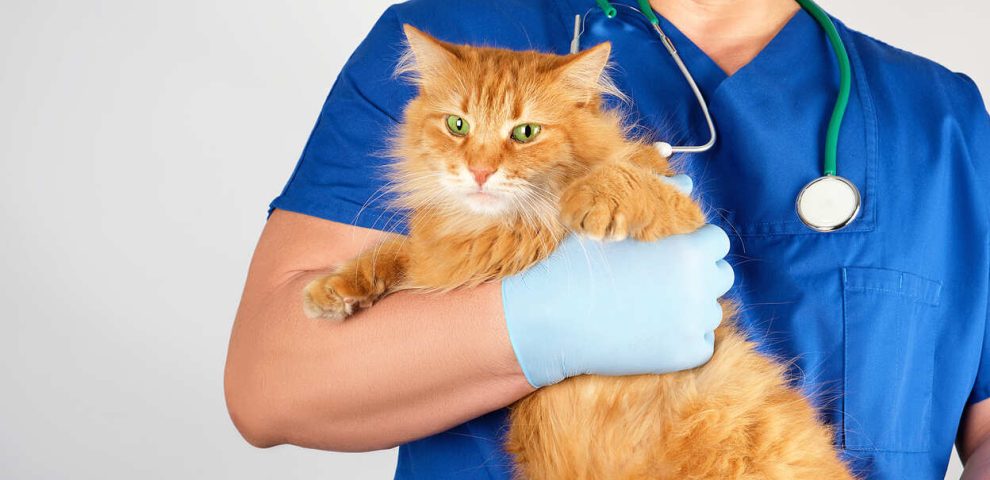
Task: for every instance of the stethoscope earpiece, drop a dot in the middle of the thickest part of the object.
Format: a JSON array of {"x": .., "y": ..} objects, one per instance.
[{"x": 666, "y": 150}]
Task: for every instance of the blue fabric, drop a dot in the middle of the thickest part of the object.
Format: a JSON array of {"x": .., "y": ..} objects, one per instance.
[{"x": 886, "y": 319}]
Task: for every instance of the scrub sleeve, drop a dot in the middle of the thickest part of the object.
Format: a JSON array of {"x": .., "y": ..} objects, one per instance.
[
  {"x": 340, "y": 176},
  {"x": 979, "y": 154}
]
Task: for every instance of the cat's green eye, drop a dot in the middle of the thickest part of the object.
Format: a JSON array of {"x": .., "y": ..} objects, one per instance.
[
  {"x": 457, "y": 125},
  {"x": 526, "y": 132}
]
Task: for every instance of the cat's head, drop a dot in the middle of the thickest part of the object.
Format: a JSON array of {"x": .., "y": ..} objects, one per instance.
[{"x": 492, "y": 131}]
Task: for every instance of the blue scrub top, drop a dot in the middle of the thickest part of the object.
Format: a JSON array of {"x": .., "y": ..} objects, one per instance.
[{"x": 886, "y": 319}]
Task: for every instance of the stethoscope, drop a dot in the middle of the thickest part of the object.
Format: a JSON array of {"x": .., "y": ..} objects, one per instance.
[{"x": 829, "y": 202}]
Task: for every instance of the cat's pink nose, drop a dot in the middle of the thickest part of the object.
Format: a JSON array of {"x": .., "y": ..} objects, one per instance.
[{"x": 481, "y": 174}]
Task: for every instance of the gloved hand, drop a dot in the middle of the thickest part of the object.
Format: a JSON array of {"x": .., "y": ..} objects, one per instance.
[{"x": 621, "y": 308}]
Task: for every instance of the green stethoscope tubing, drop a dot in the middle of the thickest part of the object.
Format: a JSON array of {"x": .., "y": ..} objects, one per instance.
[
  {"x": 845, "y": 83},
  {"x": 838, "y": 47},
  {"x": 607, "y": 7}
]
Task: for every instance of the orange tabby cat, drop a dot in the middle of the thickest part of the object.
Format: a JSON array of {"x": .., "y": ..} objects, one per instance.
[{"x": 531, "y": 128}]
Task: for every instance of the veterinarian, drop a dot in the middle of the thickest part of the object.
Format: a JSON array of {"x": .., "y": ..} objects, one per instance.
[{"x": 886, "y": 319}]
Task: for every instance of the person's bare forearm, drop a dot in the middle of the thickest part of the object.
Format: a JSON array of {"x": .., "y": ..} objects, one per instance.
[
  {"x": 978, "y": 464},
  {"x": 974, "y": 441},
  {"x": 412, "y": 365}
]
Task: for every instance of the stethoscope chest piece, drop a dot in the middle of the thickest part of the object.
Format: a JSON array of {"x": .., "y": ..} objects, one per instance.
[{"x": 828, "y": 203}]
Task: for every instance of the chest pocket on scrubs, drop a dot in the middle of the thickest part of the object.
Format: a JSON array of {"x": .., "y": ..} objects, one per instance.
[{"x": 889, "y": 359}]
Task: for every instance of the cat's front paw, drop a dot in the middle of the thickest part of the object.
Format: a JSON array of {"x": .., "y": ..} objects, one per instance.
[
  {"x": 334, "y": 298},
  {"x": 599, "y": 220},
  {"x": 588, "y": 210},
  {"x": 623, "y": 202}
]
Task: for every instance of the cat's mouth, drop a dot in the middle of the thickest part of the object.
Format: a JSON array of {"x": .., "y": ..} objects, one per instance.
[
  {"x": 485, "y": 201},
  {"x": 495, "y": 197},
  {"x": 483, "y": 196}
]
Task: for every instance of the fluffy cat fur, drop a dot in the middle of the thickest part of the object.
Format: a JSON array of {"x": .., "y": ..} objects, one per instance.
[{"x": 734, "y": 418}]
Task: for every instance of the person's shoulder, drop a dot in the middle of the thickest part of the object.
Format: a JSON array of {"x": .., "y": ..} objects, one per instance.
[
  {"x": 515, "y": 24},
  {"x": 912, "y": 75}
]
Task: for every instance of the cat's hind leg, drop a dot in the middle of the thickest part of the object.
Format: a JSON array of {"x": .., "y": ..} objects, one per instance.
[{"x": 359, "y": 283}]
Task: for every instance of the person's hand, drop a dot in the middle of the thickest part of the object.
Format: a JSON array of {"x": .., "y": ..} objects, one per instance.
[
  {"x": 620, "y": 308},
  {"x": 683, "y": 183}
]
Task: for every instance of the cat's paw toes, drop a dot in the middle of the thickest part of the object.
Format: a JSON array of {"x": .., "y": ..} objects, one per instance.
[
  {"x": 332, "y": 298},
  {"x": 600, "y": 219},
  {"x": 602, "y": 223},
  {"x": 322, "y": 301}
]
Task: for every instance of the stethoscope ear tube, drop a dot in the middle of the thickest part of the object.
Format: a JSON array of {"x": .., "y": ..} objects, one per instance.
[
  {"x": 665, "y": 148},
  {"x": 712, "y": 135}
]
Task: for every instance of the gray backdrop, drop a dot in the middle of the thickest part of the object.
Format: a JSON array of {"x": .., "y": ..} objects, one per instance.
[{"x": 140, "y": 142}]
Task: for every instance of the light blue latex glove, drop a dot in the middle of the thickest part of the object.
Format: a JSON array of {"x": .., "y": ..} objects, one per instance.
[{"x": 621, "y": 308}]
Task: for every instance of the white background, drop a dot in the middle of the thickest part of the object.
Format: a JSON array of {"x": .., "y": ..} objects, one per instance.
[{"x": 140, "y": 142}]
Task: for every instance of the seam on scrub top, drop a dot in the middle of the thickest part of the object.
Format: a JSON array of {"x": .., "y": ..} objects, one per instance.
[
  {"x": 917, "y": 298},
  {"x": 866, "y": 99},
  {"x": 931, "y": 289},
  {"x": 756, "y": 232},
  {"x": 845, "y": 355}
]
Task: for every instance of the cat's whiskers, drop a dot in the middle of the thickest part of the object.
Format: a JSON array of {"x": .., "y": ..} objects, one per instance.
[
  {"x": 548, "y": 206},
  {"x": 528, "y": 210},
  {"x": 385, "y": 189},
  {"x": 424, "y": 207},
  {"x": 402, "y": 185},
  {"x": 540, "y": 212},
  {"x": 411, "y": 203}
]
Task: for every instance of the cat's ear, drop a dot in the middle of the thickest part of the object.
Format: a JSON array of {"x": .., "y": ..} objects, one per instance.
[
  {"x": 425, "y": 56},
  {"x": 585, "y": 71}
]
